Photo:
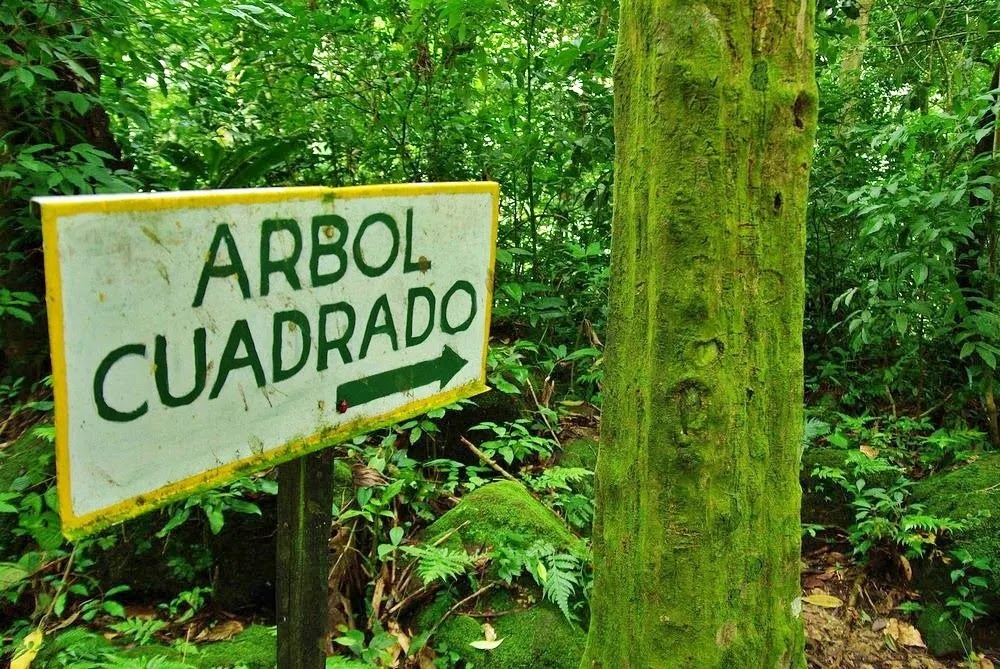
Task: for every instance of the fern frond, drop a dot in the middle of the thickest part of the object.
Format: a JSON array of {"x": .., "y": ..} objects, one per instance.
[
  {"x": 562, "y": 578},
  {"x": 439, "y": 563}
]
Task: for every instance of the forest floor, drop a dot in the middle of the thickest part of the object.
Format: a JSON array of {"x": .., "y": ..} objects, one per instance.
[
  {"x": 851, "y": 612},
  {"x": 851, "y": 620}
]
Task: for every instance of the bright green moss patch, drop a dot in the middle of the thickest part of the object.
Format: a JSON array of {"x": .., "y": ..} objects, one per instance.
[
  {"x": 965, "y": 493},
  {"x": 940, "y": 632},
  {"x": 538, "y": 638},
  {"x": 503, "y": 514},
  {"x": 580, "y": 453},
  {"x": 253, "y": 648}
]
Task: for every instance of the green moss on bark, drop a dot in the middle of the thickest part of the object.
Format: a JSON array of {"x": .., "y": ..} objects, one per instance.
[{"x": 697, "y": 534}]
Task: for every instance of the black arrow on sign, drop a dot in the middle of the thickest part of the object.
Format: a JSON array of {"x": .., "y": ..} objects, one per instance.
[{"x": 442, "y": 369}]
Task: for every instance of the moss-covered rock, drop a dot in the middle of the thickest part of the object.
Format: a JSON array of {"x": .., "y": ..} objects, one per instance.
[
  {"x": 966, "y": 493},
  {"x": 941, "y": 633},
  {"x": 503, "y": 514},
  {"x": 969, "y": 492},
  {"x": 536, "y": 638}
]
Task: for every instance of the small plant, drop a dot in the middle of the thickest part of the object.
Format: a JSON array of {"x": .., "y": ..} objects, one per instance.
[
  {"x": 884, "y": 517},
  {"x": 183, "y": 607},
  {"x": 508, "y": 369},
  {"x": 568, "y": 491},
  {"x": 138, "y": 631},
  {"x": 970, "y": 586},
  {"x": 565, "y": 578},
  {"x": 440, "y": 563},
  {"x": 216, "y": 503},
  {"x": 13, "y": 303},
  {"x": 515, "y": 441},
  {"x": 374, "y": 653}
]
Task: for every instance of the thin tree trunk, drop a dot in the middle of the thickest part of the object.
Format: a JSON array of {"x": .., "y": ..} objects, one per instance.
[
  {"x": 697, "y": 534},
  {"x": 967, "y": 255}
]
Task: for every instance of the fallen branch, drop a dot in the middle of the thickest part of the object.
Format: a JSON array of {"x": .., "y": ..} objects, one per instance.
[
  {"x": 459, "y": 605},
  {"x": 541, "y": 412},
  {"x": 487, "y": 460}
]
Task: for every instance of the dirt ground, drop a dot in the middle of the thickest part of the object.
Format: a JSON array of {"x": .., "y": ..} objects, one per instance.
[{"x": 851, "y": 619}]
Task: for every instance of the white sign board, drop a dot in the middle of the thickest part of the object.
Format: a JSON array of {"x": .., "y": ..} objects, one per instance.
[{"x": 200, "y": 336}]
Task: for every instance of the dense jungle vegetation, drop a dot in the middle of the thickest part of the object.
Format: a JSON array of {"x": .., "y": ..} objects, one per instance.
[{"x": 461, "y": 537}]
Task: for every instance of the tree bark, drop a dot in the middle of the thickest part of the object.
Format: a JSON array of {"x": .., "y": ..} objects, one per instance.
[{"x": 697, "y": 534}]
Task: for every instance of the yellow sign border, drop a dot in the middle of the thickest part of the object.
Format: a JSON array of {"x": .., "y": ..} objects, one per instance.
[{"x": 73, "y": 526}]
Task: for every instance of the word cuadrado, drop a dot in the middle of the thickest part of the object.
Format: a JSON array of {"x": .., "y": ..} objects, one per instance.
[{"x": 330, "y": 246}]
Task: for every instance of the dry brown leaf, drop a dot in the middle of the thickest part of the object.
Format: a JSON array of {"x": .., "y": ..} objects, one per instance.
[
  {"x": 402, "y": 638},
  {"x": 905, "y": 633},
  {"x": 140, "y": 611},
  {"x": 907, "y": 569},
  {"x": 366, "y": 477},
  {"x": 824, "y": 600},
  {"x": 910, "y": 636},
  {"x": 588, "y": 331},
  {"x": 65, "y": 622},
  {"x": 869, "y": 451},
  {"x": 985, "y": 663},
  {"x": 377, "y": 597},
  {"x": 485, "y": 645},
  {"x": 224, "y": 631}
]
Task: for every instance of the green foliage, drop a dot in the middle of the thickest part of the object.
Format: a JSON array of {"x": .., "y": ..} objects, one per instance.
[
  {"x": 564, "y": 581},
  {"x": 440, "y": 563},
  {"x": 216, "y": 503},
  {"x": 870, "y": 472},
  {"x": 374, "y": 652},
  {"x": 569, "y": 492},
  {"x": 969, "y": 580},
  {"x": 514, "y": 442},
  {"x": 137, "y": 630},
  {"x": 899, "y": 264}
]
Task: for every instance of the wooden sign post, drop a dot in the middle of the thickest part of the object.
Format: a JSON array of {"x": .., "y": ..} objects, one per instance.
[
  {"x": 305, "y": 497},
  {"x": 198, "y": 337}
]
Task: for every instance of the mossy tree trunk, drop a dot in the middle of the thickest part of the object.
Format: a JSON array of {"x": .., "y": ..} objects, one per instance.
[{"x": 697, "y": 536}]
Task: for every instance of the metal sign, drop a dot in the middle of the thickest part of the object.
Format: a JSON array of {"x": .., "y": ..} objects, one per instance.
[{"x": 200, "y": 336}]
